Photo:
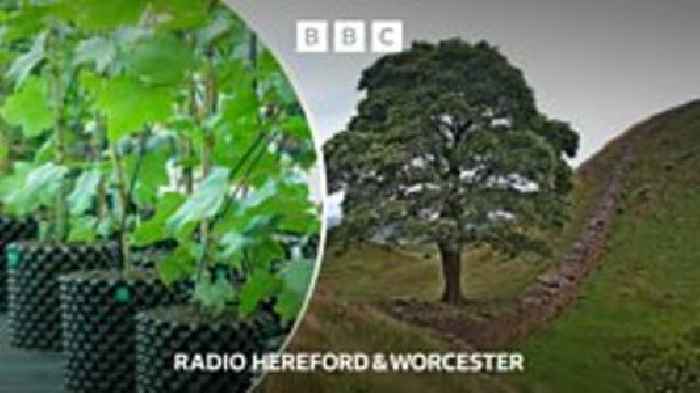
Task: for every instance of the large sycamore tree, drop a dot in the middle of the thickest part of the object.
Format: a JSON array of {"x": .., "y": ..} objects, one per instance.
[{"x": 448, "y": 148}]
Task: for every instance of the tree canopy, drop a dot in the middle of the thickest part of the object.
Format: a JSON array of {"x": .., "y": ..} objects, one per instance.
[{"x": 448, "y": 147}]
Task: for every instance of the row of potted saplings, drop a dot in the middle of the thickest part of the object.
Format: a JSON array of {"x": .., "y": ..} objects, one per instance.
[
  {"x": 83, "y": 298},
  {"x": 110, "y": 315},
  {"x": 68, "y": 297}
]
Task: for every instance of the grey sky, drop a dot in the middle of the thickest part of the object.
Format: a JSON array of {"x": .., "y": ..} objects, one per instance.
[{"x": 600, "y": 64}]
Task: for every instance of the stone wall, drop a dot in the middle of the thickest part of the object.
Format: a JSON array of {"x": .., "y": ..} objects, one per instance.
[{"x": 554, "y": 290}]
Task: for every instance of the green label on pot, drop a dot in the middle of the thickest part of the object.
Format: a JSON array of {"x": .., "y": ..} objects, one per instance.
[
  {"x": 13, "y": 257},
  {"x": 122, "y": 295}
]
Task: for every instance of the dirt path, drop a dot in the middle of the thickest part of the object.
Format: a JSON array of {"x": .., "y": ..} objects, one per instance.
[{"x": 542, "y": 301}]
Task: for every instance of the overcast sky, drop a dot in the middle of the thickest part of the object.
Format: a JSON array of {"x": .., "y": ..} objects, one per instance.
[{"x": 602, "y": 65}]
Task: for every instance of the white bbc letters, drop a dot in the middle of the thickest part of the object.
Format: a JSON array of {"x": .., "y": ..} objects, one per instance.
[{"x": 350, "y": 36}]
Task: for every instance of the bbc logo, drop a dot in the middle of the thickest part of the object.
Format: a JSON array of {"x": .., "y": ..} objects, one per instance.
[{"x": 350, "y": 36}]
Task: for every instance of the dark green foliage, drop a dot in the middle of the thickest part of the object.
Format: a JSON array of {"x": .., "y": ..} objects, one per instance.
[
  {"x": 457, "y": 108},
  {"x": 448, "y": 147}
]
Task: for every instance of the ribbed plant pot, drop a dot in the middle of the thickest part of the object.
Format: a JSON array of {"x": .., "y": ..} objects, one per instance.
[
  {"x": 164, "y": 332},
  {"x": 34, "y": 289},
  {"x": 12, "y": 230},
  {"x": 99, "y": 326}
]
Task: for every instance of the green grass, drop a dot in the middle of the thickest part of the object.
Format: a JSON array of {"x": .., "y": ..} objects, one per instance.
[
  {"x": 647, "y": 291},
  {"x": 649, "y": 286}
]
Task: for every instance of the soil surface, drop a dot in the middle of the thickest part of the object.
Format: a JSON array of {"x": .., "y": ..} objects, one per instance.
[{"x": 27, "y": 371}]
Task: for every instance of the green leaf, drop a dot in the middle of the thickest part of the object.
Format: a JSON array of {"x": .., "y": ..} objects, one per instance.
[
  {"x": 298, "y": 127},
  {"x": 292, "y": 205},
  {"x": 152, "y": 174},
  {"x": 233, "y": 74},
  {"x": 153, "y": 230},
  {"x": 179, "y": 265},
  {"x": 127, "y": 36},
  {"x": 40, "y": 186},
  {"x": 205, "y": 202},
  {"x": 81, "y": 199},
  {"x": 98, "y": 50},
  {"x": 275, "y": 86},
  {"x": 147, "y": 60},
  {"x": 129, "y": 105},
  {"x": 23, "y": 65},
  {"x": 90, "y": 82},
  {"x": 29, "y": 108},
  {"x": 244, "y": 229},
  {"x": 260, "y": 286},
  {"x": 82, "y": 229},
  {"x": 215, "y": 297},
  {"x": 234, "y": 243},
  {"x": 215, "y": 28},
  {"x": 265, "y": 251},
  {"x": 233, "y": 140},
  {"x": 9, "y": 184},
  {"x": 26, "y": 22},
  {"x": 242, "y": 105},
  {"x": 296, "y": 277},
  {"x": 101, "y": 16},
  {"x": 180, "y": 14},
  {"x": 258, "y": 196},
  {"x": 4, "y": 153},
  {"x": 46, "y": 152},
  {"x": 106, "y": 227}
]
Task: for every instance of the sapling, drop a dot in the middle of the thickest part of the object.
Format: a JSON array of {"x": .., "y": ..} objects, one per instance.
[
  {"x": 44, "y": 79},
  {"x": 239, "y": 126}
]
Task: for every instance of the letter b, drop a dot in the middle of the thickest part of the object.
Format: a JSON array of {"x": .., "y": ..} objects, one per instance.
[
  {"x": 350, "y": 36},
  {"x": 312, "y": 36}
]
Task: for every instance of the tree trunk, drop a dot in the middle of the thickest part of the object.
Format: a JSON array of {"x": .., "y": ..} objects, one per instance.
[{"x": 451, "y": 257}]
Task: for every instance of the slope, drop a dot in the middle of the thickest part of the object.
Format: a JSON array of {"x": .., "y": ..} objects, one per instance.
[{"x": 631, "y": 330}]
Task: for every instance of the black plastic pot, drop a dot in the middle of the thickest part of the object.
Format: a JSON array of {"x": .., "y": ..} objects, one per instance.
[
  {"x": 164, "y": 332},
  {"x": 34, "y": 291},
  {"x": 12, "y": 230},
  {"x": 99, "y": 310}
]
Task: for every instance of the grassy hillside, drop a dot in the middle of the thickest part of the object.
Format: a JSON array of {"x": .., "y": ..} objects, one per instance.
[{"x": 634, "y": 329}]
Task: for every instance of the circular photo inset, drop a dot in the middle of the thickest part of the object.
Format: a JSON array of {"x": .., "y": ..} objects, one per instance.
[{"x": 157, "y": 226}]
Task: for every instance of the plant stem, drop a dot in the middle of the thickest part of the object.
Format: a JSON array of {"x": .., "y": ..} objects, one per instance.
[
  {"x": 188, "y": 175},
  {"x": 5, "y": 150},
  {"x": 262, "y": 140},
  {"x": 204, "y": 226},
  {"x": 99, "y": 140},
  {"x": 187, "y": 143},
  {"x": 124, "y": 201},
  {"x": 209, "y": 108},
  {"x": 61, "y": 203},
  {"x": 143, "y": 139}
]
